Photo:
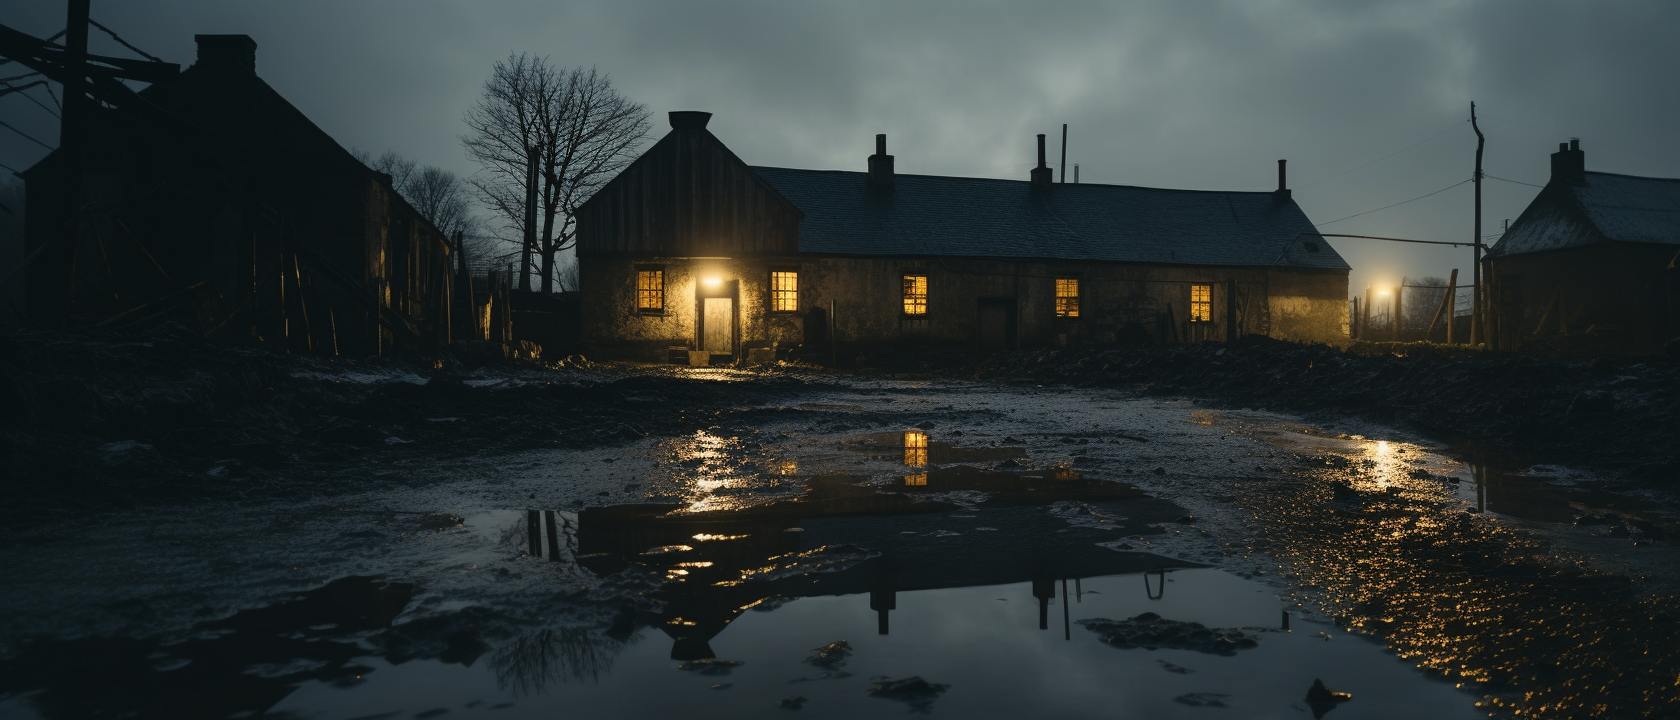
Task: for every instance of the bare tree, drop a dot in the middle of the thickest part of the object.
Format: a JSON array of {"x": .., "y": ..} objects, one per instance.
[
  {"x": 547, "y": 138},
  {"x": 442, "y": 198}
]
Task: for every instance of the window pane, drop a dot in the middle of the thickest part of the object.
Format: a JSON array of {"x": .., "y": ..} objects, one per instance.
[
  {"x": 915, "y": 294},
  {"x": 1067, "y": 297},
  {"x": 650, "y": 290},
  {"x": 784, "y": 291},
  {"x": 1201, "y": 303}
]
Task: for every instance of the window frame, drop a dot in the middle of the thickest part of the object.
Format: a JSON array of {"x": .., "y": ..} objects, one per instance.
[
  {"x": 773, "y": 291},
  {"x": 1067, "y": 310},
  {"x": 1205, "y": 305},
  {"x": 639, "y": 292},
  {"x": 912, "y": 303}
]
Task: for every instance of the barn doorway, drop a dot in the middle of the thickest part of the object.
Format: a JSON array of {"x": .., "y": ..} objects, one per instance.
[
  {"x": 717, "y": 335},
  {"x": 996, "y": 323}
]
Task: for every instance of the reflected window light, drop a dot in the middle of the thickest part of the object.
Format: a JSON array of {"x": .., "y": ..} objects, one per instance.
[
  {"x": 915, "y": 448},
  {"x": 919, "y": 479},
  {"x": 1064, "y": 472}
]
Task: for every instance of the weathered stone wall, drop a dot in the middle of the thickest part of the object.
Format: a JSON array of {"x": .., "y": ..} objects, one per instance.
[{"x": 1117, "y": 302}]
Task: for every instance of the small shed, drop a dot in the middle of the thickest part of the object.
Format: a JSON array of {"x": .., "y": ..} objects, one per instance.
[{"x": 1589, "y": 266}]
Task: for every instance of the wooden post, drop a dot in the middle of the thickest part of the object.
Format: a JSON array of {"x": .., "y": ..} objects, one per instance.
[
  {"x": 1444, "y": 308},
  {"x": 1399, "y": 310},
  {"x": 1230, "y": 311},
  {"x": 1365, "y": 322},
  {"x": 1452, "y": 305},
  {"x": 1354, "y": 319},
  {"x": 833, "y": 342}
]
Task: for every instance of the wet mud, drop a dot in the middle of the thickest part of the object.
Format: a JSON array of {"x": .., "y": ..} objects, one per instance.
[{"x": 344, "y": 538}]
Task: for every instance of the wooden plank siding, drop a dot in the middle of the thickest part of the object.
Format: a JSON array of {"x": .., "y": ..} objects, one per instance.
[{"x": 688, "y": 196}]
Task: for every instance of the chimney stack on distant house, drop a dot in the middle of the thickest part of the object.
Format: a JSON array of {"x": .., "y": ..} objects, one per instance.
[
  {"x": 1282, "y": 192},
  {"x": 227, "y": 52},
  {"x": 1041, "y": 175},
  {"x": 1569, "y": 164},
  {"x": 881, "y": 164},
  {"x": 689, "y": 119}
]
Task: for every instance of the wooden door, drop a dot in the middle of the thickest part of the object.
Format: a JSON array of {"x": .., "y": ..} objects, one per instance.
[{"x": 718, "y": 326}]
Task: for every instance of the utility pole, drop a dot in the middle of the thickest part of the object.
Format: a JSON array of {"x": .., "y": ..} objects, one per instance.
[{"x": 1478, "y": 325}]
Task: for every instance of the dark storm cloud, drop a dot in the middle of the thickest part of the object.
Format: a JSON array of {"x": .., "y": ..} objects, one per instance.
[{"x": 1196, "y": 94}]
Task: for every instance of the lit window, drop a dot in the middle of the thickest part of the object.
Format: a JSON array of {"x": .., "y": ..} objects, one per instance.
[
  {"x": 915, "y": 448},
  {"x": 915, "y": 294},
  {"x": 784, "y": 291},
  {"x": 650, "y": 291},
  {"x": 1067, "y": 297},
  {"x": 1201, "y": 303}
]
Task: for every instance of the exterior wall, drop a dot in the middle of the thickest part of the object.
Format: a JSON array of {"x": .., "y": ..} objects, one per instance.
[
  {"x": 1118, "y": 302},
  {"x": 1615, "y": 297}
]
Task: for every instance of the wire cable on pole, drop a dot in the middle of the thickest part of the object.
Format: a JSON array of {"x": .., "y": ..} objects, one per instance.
[
  {"x": 14, "y": 170},
  {"x": 19, "y": 89},
  {"x": 1519, "y": 182},
  {"x": 1398, "y": 204},
  {"x": 1385, "y": 157},
  {"x": 118, "y": 38}
]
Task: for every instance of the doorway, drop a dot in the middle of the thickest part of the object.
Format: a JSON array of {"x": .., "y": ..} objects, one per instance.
[
  {"x": 996, "y": 323},
  {"x": 717, "y": 325}
]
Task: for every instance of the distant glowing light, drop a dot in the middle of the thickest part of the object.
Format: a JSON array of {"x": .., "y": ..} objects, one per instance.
[
  {"x": 710, "y": 537},
  {"x": 712, "y": 281}
]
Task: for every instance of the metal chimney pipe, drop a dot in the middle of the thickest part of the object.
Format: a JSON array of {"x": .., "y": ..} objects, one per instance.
[
  {"x": 1283, "y": 177},
  {"x": 881, "y": 144},
  {"x": 1041, "y": 149}
]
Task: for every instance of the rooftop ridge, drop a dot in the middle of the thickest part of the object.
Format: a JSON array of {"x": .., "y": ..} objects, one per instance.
[{"x": 861, "y": 173}]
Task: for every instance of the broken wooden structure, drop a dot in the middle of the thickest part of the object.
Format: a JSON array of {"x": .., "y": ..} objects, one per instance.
[{"x": 209, "y": 200}]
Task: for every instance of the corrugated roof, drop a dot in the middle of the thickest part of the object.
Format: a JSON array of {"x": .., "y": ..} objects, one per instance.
[
  {"x": 1606, "y": 208},
  {"x": 928, "y": 215}
]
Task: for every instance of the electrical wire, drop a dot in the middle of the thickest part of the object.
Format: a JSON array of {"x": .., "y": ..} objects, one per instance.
[
  {"x": 118, "y": 38},
  {"x": 18, "y": 77},
  {"x": 31, "y": 98},
  {"x": 1392, "y": 154},
  {"x": 1398, "y": 204},
  {"x": 1519, "y": 182},
  {"x": 14, "y": 170},
  {"x": 25, "y": 135}
]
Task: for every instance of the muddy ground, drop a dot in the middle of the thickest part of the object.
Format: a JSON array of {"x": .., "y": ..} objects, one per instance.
[
  {"x": 166, "y": 493},
  {"x": 126, "y": 418}
]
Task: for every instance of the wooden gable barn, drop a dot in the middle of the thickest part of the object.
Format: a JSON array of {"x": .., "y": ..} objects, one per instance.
[
  {"x": 217, "y": 204},
  {"x": 691, "y": 253},
  {"x": 1590, "y": 266}
]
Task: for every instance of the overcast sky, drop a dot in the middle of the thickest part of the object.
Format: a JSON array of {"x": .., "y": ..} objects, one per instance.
[{"x": 1369, "y": 101}]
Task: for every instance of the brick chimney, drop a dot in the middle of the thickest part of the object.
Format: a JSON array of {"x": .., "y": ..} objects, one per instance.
[
  {"x": 881, "y": 164},
  {"x": 1041, "y": 175},
  {"x": 1282, "y": 193},
  {"x": 689, "y": 119},
  {"x": 1569, "y": 164},
  {"x": 227, "y": 52}
]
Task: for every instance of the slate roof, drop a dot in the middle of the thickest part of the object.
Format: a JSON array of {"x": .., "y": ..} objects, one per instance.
[
  {"x": 1606, "y": 208},
  {"x": 927, "y": 215}
]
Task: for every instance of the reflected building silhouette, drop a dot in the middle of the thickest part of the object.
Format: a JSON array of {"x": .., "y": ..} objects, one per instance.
[{"x": 845, "y": 536}]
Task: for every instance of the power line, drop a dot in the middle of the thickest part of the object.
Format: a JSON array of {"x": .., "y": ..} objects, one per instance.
[
  {"x": 1519, "y": 182},
  {"x": 118, "y": 38},
  {"x": 1398, "y": 204},
  {"x": 1393, "y": 239},
  {"x": 1385, "y": 157},
  {"x": 25, "y": 135},
  {"x": 14, "y": 170},
  {"x": 20, "y": 90}
]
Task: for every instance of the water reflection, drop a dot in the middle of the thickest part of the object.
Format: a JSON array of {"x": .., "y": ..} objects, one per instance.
[{"x": 845, "y": 536}]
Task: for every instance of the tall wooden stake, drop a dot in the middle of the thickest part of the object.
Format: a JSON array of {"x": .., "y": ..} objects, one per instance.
[
  {"x": 1064, "y": 152},
  {"x": 1478, "y": 326}
]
